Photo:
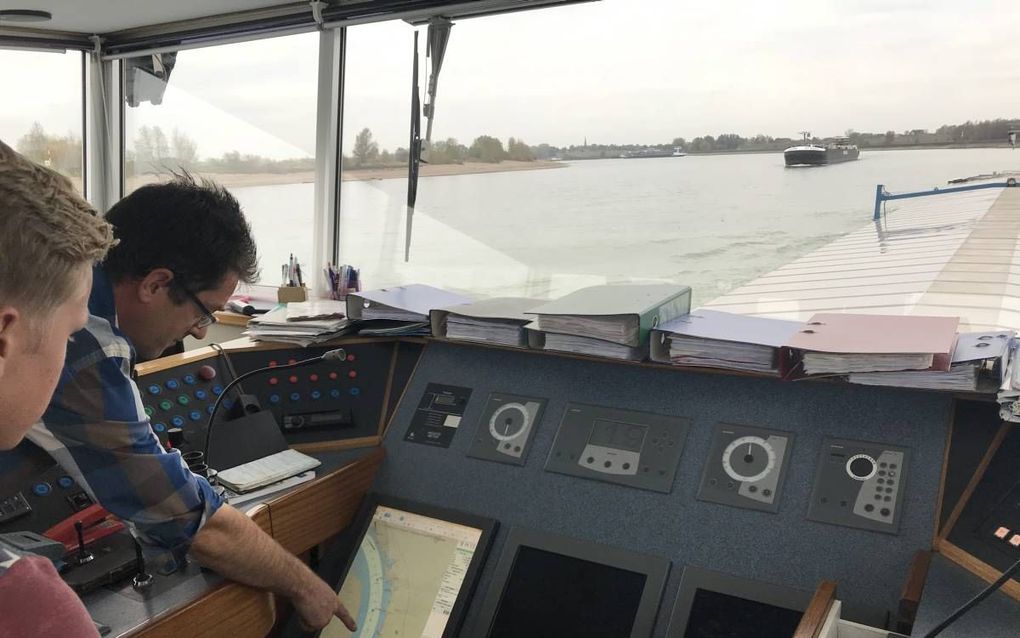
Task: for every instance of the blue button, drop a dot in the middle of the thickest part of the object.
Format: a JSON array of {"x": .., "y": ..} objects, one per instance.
[
  {"x": 228, "y": 403},
  {"x": 355, "y": 391},
  {"x": 177, "y": 421},
  {"x": 217, "y": 390},
  {"x": 195, "y": 415},
  {"x": 201, "y": 395},
  {"x": 274, "y": 398},
  {"x": 209, "y": 409},
  {"x": 65, "y": 482},
  {"x": 42, "y": 489},
  {"x": 159, "y": 427},
  {"x": 189, "y": 379},
  {"x": 316, "y": 394},
  {"x": 334, "y": 393},
  {"x": 155, "y": 389},
  {"x": 172, "y": 384},
  {"x": 295, "y": 396}
]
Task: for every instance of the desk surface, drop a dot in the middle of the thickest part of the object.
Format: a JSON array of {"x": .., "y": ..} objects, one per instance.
[{"x": 211, "y": 606}]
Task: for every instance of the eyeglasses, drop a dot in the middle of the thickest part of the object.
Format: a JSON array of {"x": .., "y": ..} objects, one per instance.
[{"x": 207, "y": 319}]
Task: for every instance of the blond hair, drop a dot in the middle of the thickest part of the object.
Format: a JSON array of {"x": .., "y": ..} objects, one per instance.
[{"x": 48, "y": 234}]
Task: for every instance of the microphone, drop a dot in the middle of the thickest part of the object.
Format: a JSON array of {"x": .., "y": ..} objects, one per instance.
[{"x": 337, "y": 354}]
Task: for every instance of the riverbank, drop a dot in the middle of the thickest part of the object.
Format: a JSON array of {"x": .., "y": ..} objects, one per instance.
[{"x": 241, "y": 180}]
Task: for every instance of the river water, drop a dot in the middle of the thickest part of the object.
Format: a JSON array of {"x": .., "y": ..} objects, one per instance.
[{"x": 710, "y": 222}]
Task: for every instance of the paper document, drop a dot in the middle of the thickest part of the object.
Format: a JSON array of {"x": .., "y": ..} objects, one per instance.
[{"x": 266, "y": 470}]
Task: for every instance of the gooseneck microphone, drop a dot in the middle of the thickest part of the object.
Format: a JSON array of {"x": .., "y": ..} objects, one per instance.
[{"x": 337, "y": 354}]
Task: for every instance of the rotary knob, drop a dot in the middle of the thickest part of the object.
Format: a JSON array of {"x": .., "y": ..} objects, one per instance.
[{"x": 861, "y": 467}]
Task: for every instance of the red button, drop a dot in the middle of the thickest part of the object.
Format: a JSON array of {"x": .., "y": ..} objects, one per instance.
[
  {"x": 334, "y": 376},
  {"x": 272, "y": 364},
  {"x": 273, "y": 380},
  {"x": 292, "y": 362},
  {"x": 293, "y": 379},
  {"x": 352, "y": 374},
  {"x": 350, "y": 357},
  {"x": 207, "y": 373},
  {"x": 313, "y": 377}
]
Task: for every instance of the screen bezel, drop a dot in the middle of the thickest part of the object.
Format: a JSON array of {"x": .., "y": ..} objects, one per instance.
[
  {"x": 695, "y": 578},
  {"x": 655, "y": 569},
  {"x": 339, "y": 558}
]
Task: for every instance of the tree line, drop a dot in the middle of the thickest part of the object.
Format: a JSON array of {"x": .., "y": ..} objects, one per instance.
[{"x": 155, "y": 151}]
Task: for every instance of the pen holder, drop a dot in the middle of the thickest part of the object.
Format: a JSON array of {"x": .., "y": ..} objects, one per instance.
[{"x": 287, "y": 294}]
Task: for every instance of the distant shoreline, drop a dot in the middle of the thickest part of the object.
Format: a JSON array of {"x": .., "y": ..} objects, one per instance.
[
  {"x": 898, "y": 147},
  {"x": 242, "y": 180}
]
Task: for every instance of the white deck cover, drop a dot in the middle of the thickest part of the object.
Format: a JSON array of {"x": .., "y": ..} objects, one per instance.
[{"x": 950, "y": 255}]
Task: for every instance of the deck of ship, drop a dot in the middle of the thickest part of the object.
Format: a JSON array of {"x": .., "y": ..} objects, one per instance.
[{"x": 955, "y": 254}]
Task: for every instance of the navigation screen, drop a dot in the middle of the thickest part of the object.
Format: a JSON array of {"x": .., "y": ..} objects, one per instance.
[
  {"x": 406, "y": 576},
  {"x": 716, "y": 615},
  {"x": 618, "y": 435},
  {"x": 550, "y": 595}
]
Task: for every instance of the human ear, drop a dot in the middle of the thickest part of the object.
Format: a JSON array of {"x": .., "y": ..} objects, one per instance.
[
  {"x": 9, "y": 318},
  {"x": 150, "y": 285}
]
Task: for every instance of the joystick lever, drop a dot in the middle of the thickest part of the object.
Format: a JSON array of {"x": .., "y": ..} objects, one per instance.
[{"x": 83, "y": 556}]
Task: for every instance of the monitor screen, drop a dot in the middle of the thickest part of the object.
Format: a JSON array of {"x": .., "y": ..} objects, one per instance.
[
  {"x": 410, "y": 572},
  {"x": 718, "y": 615},
  {"x": 713, "y": 604},
  {"x": 550, "y": 594},
  {"x": 550, "y": 586}
]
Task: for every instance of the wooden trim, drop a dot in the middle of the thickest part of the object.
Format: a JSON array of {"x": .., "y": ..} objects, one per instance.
[
  {"x": 338, "y": 445},
  {"x": 174, "y": 360},
  {"x": 228, "y": 318},
  {"x": 231, "y": 610},
  {"x": 325, "y": 507},
  {"x": 817, "y": 611},
  {"x": 945, "y": 472},
  {"x": 384, "y": 408},
  {"x": 910, "y": 595},
  {"x": 979, "y": 474},
  {"x": 979, "y": 568},
  {"x": 403, "y": 391}
]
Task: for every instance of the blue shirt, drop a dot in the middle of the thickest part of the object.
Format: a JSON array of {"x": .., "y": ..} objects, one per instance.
[{"x": 97, "y": 429}]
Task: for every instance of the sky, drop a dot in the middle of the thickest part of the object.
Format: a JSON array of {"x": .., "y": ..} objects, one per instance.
[{"x": 615, "y": 71}]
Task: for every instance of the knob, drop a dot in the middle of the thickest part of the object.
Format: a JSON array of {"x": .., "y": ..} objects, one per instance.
[
  {"x": 207, "y": 373},
  {"x": 176, "y": 436}
]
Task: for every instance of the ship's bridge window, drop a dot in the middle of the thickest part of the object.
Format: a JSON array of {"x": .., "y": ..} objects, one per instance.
[
  {"x": 240, "y": 114},
  {"x": 41, "y": 112}
]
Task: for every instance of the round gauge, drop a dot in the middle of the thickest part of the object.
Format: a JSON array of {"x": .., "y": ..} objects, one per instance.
[
  {"x": 749, "y": 459},
  {"x": 508, "y": 421},
  {"x": 861, "y": 467}
]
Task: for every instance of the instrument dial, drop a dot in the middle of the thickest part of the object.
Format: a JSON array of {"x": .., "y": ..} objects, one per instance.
[
  {"x": 749, "y": 459},
  {"x": 508, "y": 421},
  {"x": 861, "y": 467}
]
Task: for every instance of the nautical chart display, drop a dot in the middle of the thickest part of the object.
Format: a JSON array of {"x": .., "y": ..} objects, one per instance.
[
  {"x": 746, "y": 466},
  {"x": 506, "y": 427},
  {"x": 414, "y": 571}
]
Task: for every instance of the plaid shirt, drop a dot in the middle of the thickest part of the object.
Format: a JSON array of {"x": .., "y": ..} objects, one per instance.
[{"x": 96, "y": 428}]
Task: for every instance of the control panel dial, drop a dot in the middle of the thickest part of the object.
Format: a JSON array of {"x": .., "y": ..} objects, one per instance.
[
  {"x": 749, "y": 459},
  {"x": 861, "y": 467},
  {"x": 508, "y": 421}
]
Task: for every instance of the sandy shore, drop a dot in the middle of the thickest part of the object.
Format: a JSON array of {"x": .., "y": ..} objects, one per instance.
[{"x": 399, "y": 172}]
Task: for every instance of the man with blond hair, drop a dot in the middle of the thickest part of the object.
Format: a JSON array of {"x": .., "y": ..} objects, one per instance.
[{"x": 49, "y": 240}]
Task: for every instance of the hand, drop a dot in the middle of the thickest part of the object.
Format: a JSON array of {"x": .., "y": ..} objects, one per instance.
[{"x": 318, "y": 605}]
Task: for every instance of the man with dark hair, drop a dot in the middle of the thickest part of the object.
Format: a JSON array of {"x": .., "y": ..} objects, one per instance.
[{"x": 183, "y": 247}]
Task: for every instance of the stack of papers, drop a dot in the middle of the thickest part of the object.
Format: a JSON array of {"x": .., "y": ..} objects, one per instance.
[
  {"x": 498, "y": 321},
  {"x": 1009, "y": 390},
  {"x": 274, "y": 326},
  {"x": 317, "y": 309},
  {"x": 401, "y": 310},
  {"x": 267, "y": 470},
  {"x": 716, "y": 339},
  {"x": 593, "y": 347},
  {"x": 977, "y": 355},
  {"x": 847, "y": 343}
]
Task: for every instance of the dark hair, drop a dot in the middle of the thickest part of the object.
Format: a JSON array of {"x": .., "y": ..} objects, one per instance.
[{"x": 195, "y": 230}]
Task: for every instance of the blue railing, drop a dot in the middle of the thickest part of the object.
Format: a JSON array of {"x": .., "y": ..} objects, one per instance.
[{"x": 881, "y": 196}]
